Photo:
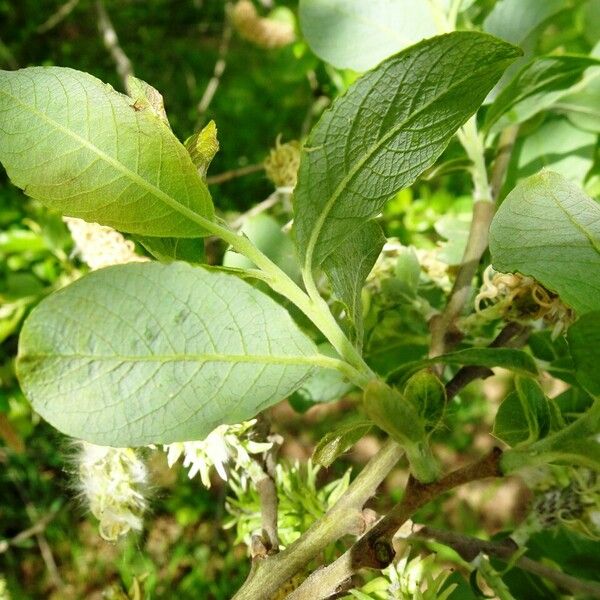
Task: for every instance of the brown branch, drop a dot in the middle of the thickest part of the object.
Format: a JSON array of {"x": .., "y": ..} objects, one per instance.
[
  {"x": 234, "y": 173},
  {"x": 469, "y": 548},
  {"x": 111, "y": 43},
  {"x": 442, "y": 326},
  {"x": 470, "y": 373},
  {"x": 375, "y": 550},
  {"x": 269, "y": 575},
  {"x": 34, "y": 530}
]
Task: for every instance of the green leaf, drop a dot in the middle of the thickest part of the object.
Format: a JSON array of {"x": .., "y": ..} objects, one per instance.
[
  {"x": 519, "y": 22},
  {"x": 533, "y": 84},
  {"x": 510, "y": 424},
  {"x": 547, "y": 228},
  {"x": 556, "y": 145},
  {"x": 388, "y": 128},
  {"x": 147, "y": 98},
  {"x": 507, "y": 358},
  {"x": 427, "y": 394},
  {"x": 349, "y": 265},
  {"x": 151, "y": 353},
  {"x": 514, "y": 20},
  {"x": 584, "y": 346},
  {"x": 83, "y": 149},
  {"x": 169, "y": 249},
  {"x": 583, "y": 107},
  {"x": 335, "y": 443},
  {"x": 358, "y": 35}
]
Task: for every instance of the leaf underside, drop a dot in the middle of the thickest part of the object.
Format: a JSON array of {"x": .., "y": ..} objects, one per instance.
[{"x": 150, "y": 353}]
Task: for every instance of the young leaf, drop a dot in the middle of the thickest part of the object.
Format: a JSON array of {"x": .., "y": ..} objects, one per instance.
[
  {"x": 83, "y": 149},
  {"x": 510, "y": 424},
  {"x": 349, "y": 265},
  {"x": 389, "y": 127},
  {"x": 535, "y": 407},
  {"x": 357, "y": 35},
  {"x": 149, "y": 353},
  {"x": 508, "y": 358},
  {"x": 335, "y": 443},
  {"x": 427, "y": 394},
  {"x": 398, "y": 417},
  {"x": 533, "y": 83},
  {"x": 549, "y": 229},
  {"x": 584, "y": 345},
  {"x": 202, "y": 147}
]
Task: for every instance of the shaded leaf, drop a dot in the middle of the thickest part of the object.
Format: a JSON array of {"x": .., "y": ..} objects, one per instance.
[
  {"x": 584, "y": 346},
  {"x": 358, "y": 35},
  {"x": 508, "y": 358},
  {"x": 427, "y": 394},
  {"x": 349, "y": 265},
  {"x": 547, "y": 228},
  {"x": 169, "y": 249}
]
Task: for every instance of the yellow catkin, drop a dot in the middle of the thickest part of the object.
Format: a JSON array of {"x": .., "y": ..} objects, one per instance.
[
  {"x": 261, "y": 31},
  {"x": 282, "y": 164}
]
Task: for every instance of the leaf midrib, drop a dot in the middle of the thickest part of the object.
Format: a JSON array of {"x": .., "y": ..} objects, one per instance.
[
  {"x": 163, "y": 358},
  {"x": 132, "y": 175},
  {"x": 358, "y": 165}
]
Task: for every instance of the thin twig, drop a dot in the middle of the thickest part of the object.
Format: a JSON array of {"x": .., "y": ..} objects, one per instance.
[
  {"x": 29, "y": 532},
  {"x": 343, "y": 518},
  {"x": 375, "y": 549},
  {"x": 111, "y": 43},
  {"x": 483, "y": 211},
  {"x": 58, "y": 16},
  {"x": 234, "y": 173},
  {"x": 469, "y": 548},
  {"x": 219, "y": 68},
  {"x": 256, "y": 210}
]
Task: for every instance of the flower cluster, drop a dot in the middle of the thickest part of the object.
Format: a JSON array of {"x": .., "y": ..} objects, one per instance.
[
  {"x": 112, "y": 481},
  {"x": 572, "y": 500},
  {"x": 226, "y": 447},
  {"x": 261, "y": 31},
  {"x": 520, "y": 298},
  {"x": 100, "y": 246}
]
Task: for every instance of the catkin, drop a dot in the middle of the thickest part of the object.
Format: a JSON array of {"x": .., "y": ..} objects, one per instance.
[{"x": 261, "y": 31}]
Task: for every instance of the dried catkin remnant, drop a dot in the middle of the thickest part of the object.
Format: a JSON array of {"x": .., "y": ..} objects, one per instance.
[
  {"x": 261, "y": 31},
  {"x": 282, "y": 164},
  {"x": 99, "y": 246},
  {"x": 521, "y": 298},
  {"x": 112, "y": 482}
]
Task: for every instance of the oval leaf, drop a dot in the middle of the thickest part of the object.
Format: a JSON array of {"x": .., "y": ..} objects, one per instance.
[
  {"x": 151, "y": 353},
  {"x": 81, "y": 148},
  {"x": 389, "y": 127},
  {"x": 549, "y": 229},
  {"x": 357, "y": 35}
]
